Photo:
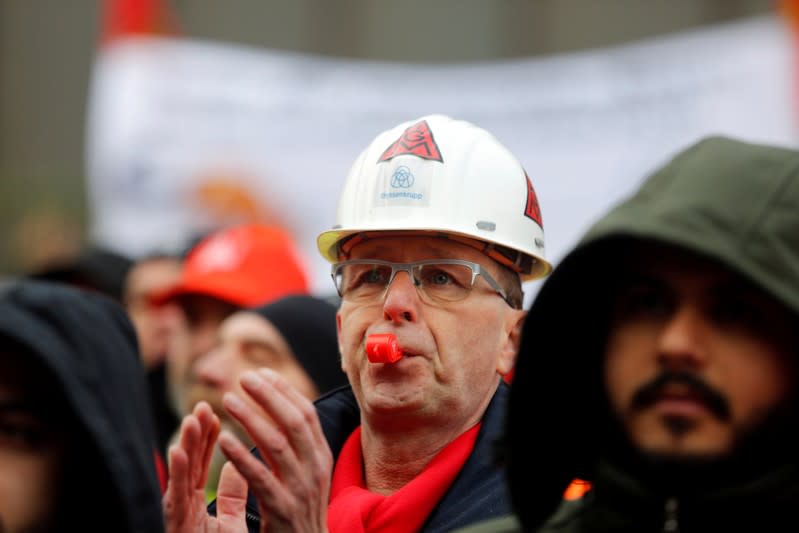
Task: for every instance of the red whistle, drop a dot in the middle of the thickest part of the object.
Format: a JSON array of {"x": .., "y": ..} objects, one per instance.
[{"x": 383, "y": 348}]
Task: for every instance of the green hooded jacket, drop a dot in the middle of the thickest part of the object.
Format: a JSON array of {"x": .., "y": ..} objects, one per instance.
[{"x": 732, "y": 201}]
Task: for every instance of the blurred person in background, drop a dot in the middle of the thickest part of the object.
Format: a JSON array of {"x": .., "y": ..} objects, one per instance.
[
  {"x": 228, "y": 270},
  {"x": 294, "y": 336},
  {"x": 95, "y": 268},
  {"x": 100, "y": 269},
  {"x": 147, "y": 277},
  {"x": 76, "y": 444}
]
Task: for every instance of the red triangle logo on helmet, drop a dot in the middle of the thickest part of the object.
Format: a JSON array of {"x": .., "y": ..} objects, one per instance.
[
  {"x": 532, "y": 210},
  {"x": 416, "y": 140}
]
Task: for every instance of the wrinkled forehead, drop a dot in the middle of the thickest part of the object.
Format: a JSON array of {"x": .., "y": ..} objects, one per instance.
[
  {"x": 404, "y": 247},
  {"x": 250, "y": 327}
]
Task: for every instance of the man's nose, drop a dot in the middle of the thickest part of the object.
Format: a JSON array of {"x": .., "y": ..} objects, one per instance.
[
  {"x": 203, "y": 337},
  {"x": 211, "y": 367},
  {"x": 401, "y": 300},
  {"x": 682, "y": 340}
]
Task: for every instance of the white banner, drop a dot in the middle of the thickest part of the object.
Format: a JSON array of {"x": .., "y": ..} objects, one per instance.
[{"x": 186, "y": 135}]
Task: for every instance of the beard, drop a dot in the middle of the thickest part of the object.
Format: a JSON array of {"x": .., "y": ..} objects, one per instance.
[
  {"x": 213, "y": 397},
  {"x": 758, "y": 449}
]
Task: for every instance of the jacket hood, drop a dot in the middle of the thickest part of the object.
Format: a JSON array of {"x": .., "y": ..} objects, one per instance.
[
  {"x": 732, "y": 201},
  {"x": 87, "y": 343}
]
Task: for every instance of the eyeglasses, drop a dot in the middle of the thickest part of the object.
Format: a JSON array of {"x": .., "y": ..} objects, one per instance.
[{"x": 437, "y": 280}]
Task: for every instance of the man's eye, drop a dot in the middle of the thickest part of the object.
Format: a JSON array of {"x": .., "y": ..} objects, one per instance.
[
  {"x": 260, "y": 355},
  {"x": 374, "y": 276},
  {"x": 437, "y": 277},
  {"x": 369, "y": 277},
  {"x": 641, "y": 301},
  {"x": 737, "y": 311}
]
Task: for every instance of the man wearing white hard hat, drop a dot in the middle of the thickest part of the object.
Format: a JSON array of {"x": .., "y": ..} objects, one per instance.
[{"x": 437, "y": 227}]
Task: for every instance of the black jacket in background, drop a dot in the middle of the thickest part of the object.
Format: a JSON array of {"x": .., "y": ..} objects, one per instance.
[{"x": 88, "y": 344}]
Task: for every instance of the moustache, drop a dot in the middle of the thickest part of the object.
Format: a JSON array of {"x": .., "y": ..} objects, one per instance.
[{"x": 649, "y": 393}]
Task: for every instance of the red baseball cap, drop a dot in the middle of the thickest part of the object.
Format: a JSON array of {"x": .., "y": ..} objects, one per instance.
[{"x": 246, "y": 265}]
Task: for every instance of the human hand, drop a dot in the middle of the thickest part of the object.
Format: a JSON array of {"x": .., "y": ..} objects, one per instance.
[
  {"x": 184, "y": 504},
  {"x": 292, "y": 485}
]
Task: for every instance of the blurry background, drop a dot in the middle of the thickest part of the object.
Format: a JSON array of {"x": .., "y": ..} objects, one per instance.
[{"x": 48, "y": 50}]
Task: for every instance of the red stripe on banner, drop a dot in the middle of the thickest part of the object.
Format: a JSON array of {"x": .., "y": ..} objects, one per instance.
[{"x": 136, "y": 17}]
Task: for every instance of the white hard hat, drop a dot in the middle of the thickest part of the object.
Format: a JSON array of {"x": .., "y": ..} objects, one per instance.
[{"x": 447, "y": 177}]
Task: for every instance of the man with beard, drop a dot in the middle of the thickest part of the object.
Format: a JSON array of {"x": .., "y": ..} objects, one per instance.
[
  {"x": 232, "y": 268},
  {"x": 659, "y": 360},
  {"x": 147, "y": 277},
  {"x": 76, "y": 443}
]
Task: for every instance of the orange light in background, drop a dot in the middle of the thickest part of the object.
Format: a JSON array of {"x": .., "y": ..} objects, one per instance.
[
  {"x": 789, "y": 10},
  {"x": 576, "y": 490}
]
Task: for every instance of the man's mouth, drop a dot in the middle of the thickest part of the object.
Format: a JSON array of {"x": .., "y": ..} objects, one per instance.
[
  {"x": 386, "y": 348},
  {"x": 680, "y": 400},
  {"x": 213, "y": 399},
  {"x": 681, "y": 395}
]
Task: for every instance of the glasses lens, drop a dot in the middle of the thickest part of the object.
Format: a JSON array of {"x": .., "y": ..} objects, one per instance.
[
  {"x": 443, "y": 281},
  {"x": 362, "y": 281}
]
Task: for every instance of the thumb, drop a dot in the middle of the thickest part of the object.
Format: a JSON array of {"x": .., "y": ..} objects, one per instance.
[{"x": 231, "y": 498}]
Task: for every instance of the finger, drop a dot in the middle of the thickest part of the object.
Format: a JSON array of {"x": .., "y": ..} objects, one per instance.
[
  {"x": 210, "y": 426},
  {"x": 297, "y": 418},
  {"x": 231, "y": 498},
  {"x": 261, "y": 481},
  {"x": 310, "y": 486},
  {"x": 287, "y": 408},
  {"x": 267, "y": 437},
  {"x": 190, "y": 439},
  {"x": 301, "y": 461},
  {"x": 178, "y": 496},
  {"x": 308, "y": 418}
]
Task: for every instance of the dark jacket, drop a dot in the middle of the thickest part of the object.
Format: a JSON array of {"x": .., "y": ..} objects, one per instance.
[
  {"x": 88, "y": 345},
  {"x": 478, "y": 492},
  {"x": 733, "y": 202}
]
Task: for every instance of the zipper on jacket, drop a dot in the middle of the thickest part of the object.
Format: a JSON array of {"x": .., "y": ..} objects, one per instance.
[
  {"x": 252, "y": 518},
  {"x": 671, "y": 511}
]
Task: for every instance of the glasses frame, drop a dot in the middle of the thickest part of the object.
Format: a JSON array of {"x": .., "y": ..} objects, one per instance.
[{"x": 476, "y": 268}]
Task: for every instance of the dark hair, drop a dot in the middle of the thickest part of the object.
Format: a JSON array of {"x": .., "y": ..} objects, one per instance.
[{"x": 96, "y": 268}]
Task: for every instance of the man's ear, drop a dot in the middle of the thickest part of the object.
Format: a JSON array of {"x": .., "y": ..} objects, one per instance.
[
  {"x": 338, "y": 337},
  {"x": 507, "y": 356}
]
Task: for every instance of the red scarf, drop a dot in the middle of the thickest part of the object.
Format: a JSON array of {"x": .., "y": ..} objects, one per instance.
[{"x": 353, "y": 509}]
